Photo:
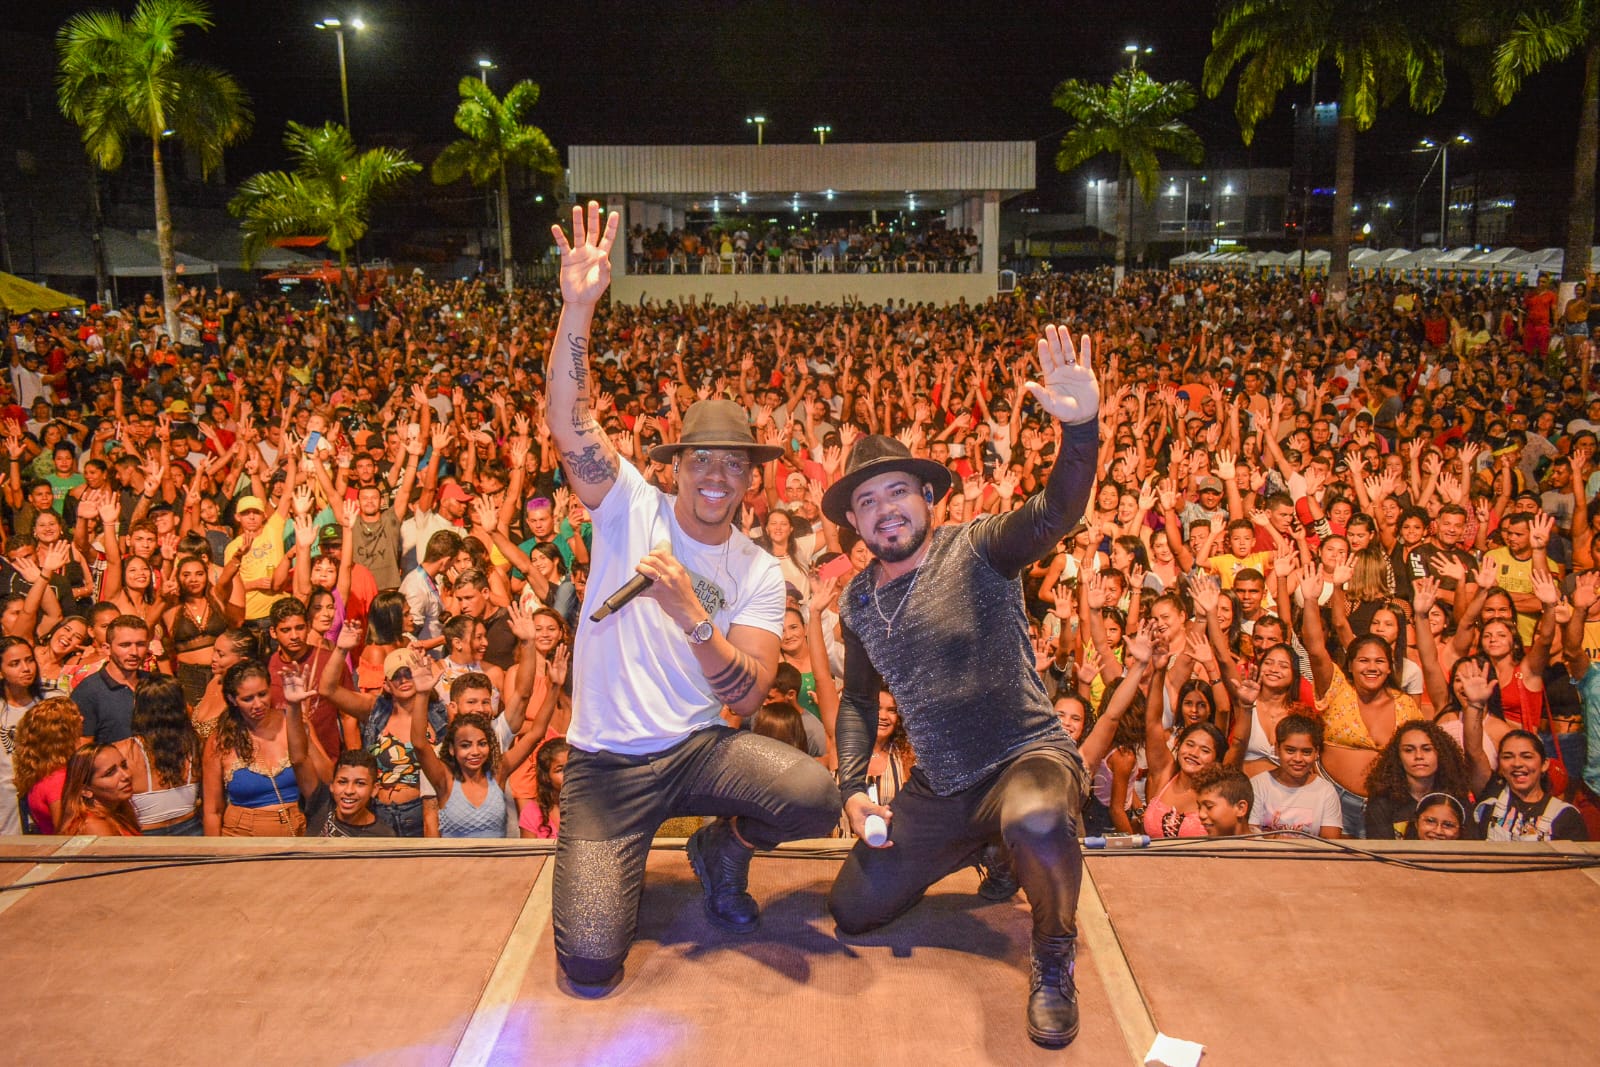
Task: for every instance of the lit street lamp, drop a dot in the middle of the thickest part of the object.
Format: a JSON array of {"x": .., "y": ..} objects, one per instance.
[
  {"x": 822, "y": 133},
  {"x": 1134, "y": 52},
  {"x": 1442, "y": 158},
  {"x": 484, "y": 67},
  {"x": 337, "y": 26},
  {"x": 760, "y": 123}
]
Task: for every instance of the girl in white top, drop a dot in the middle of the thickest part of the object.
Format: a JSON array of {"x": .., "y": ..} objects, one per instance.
[{"x": 163, "y": 758}]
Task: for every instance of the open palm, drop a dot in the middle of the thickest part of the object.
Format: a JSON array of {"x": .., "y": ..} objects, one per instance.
[
  {"x": 1069, "y": 390},
  {"x": 586, "y": 261}
]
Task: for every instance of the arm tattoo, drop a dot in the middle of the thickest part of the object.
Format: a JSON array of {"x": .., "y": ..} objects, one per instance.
[
  {"x": 579, "y": 346},
  {"x": 733, "y": 683},
  {"x": 595, "y": 464}
]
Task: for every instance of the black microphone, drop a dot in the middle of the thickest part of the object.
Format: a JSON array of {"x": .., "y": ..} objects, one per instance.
[{"x": 630, "y": 589}]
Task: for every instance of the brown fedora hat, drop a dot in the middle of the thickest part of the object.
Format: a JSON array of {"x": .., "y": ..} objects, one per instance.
[
  {"x": 716, "y": 424},
  {"x": 873, "y": 455}
]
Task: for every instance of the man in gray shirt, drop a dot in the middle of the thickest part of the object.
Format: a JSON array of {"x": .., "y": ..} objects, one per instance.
[{"x": 938, "y": 619}]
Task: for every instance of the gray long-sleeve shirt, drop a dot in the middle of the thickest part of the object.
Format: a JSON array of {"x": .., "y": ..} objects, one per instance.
[{"x": 959, "y": 659}]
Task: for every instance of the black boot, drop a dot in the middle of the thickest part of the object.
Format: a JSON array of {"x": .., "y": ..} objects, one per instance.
[
  {"x": 722, "y": 862},
  {"x": 1053, "y": 996},
  {"x": 999, "y": 880}
]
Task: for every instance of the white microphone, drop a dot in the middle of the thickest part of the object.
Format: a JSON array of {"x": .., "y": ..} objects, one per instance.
[{"x": 875, "y": 831}]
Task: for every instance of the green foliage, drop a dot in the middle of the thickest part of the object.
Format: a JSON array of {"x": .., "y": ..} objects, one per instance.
[
  {"x": 329, "y": 193},
  {"x": 496, "y": 135},
  {"x": 122, "y": 78},
  {"x": 1383, "y": 49},
  {"x": 1529, "y": 35},
  {"x": 1134, "y": 117}
]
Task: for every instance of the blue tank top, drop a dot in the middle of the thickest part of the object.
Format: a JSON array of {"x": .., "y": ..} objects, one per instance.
[
  {"x": 459, "y": 817},
  {"x": 249, "y": 788}
]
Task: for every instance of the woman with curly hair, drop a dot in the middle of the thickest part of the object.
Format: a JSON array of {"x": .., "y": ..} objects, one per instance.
[
  {"x": 47, "y": 737},
  {"x": 250, "y": 783},
  {"x": 164, "y": 758},
  {"x": 1420, "y": 759},
  {"x": 541, "y": 817},
  {"x": 96, "y": 797},
  {"x": 468, "y": 773}
]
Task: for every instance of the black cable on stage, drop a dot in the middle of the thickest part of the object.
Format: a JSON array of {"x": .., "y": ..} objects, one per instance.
[{"x": 1295, "y": 845}]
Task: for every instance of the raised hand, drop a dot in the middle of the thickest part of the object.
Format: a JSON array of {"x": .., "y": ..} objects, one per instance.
[
  {"x": 1476, "y": 681},
  {"x": 1205, "y": 590},
  {"x": 296, "y": 686},
  {"x": 1540, "y": 527},
  {"x": 1424, "y": 594},
  {"x": 1069, "y": 390},
  {"x": 1544, "y": 587},
  {"x": 1226, "y": 468},
  {"x": 586, "y": 260},
  {"x": 349, "y": 638},
  {"x": 521, "y": 622},
  {"x": 1139, "y": 646}
]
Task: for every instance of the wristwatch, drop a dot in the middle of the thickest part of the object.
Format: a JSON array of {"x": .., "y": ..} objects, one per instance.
[{"x": 702, "y": 632}]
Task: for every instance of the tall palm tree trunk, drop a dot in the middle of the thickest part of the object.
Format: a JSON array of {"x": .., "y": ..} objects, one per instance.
[
  {"x": 1344, "y": 194},
  {"x": 169, "y": 262},
  {"x": 506, "y": 272},
  {"x": 1124, "y": 219},
  {"x": 1580, "y": 213}
]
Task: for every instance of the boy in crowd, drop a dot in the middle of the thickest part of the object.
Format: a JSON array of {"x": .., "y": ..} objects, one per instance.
[{"x": 1224, "y": 797}]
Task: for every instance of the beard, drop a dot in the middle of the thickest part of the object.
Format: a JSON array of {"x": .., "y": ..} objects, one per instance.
[{"x": 904, "y": 544}]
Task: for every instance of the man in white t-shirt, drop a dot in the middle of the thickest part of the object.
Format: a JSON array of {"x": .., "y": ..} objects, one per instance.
[
  {"x": 1290, "y": 796},
  {"x": 651, "y": 677}
]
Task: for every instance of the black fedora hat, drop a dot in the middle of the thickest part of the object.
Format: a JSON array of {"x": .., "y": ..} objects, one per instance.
[
  {"x": 873, "y": 455},
  {"x": 716, "y": 424}
]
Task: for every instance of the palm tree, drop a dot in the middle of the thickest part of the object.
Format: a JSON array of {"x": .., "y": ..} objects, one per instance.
[
  {"x": 122, "y": 78},
  {"x": 1134, "y": 118},
  {"x": 1527, "y": 36},
  {"x": 1382, "y": 48},
  {"x": 329, "y": 194},
  {"x": 496, "y": 139}
]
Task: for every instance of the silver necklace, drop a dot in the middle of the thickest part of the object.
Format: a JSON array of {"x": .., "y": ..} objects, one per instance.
[{"x": 889, "y": 620}]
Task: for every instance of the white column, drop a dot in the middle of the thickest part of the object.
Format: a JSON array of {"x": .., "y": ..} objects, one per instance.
[
  {"x": 619, "y": 247},
  {"x": 990, "y": 237}
]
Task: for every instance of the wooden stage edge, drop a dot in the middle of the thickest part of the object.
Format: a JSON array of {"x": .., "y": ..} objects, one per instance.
[{"x": 294, "y": 958}]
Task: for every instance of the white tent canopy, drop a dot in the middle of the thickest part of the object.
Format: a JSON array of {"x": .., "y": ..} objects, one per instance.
[{"x": 71, "y": 255}]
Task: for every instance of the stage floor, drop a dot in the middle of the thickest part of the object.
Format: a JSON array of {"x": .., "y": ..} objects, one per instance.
[{"x": 426, "y": 957}]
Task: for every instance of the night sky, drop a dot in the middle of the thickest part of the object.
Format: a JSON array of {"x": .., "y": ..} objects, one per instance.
[{"x": 689, "y": 73}]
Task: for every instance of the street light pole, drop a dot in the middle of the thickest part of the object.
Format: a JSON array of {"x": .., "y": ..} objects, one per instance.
[
  {"x": 337, "y": 26},
  {"x": 822, "y": 133},
  {"x": 760, "y": 123},
  {"x": 484, "y": 67}
]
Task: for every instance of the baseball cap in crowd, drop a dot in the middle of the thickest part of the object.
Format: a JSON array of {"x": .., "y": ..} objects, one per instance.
[
  {"x": 396, "y": 661},
  {"x": 332, "y": 536},
  {"x": 453, "y": 491},
  {"x": 248, "y": 503},
  {"x": 1209, "y": 484},
  {"x": 178, "y": 407}
]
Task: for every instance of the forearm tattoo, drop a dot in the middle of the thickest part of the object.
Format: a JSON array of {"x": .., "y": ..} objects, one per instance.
[
  {"x": 733, "y": 683},
  {"x": 592, "y": 466}
]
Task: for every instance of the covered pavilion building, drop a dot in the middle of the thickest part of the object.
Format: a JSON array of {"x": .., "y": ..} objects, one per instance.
[{"x": 957, "y": 185}]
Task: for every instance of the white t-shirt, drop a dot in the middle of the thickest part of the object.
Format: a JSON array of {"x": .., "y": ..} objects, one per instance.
[
  {"x": 637, "y": 687},
  {"x": 1309, "y": 807}
]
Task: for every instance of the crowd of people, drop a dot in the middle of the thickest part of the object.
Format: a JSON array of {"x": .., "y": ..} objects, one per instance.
[
  {"x": 321, "y": 572},
  {"x": 754, "y": 247}
]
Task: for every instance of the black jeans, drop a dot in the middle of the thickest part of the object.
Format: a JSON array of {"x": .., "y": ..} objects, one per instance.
[
  {"x": 1032, "y": 803},
  {"x": 612, "y": 805}
]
